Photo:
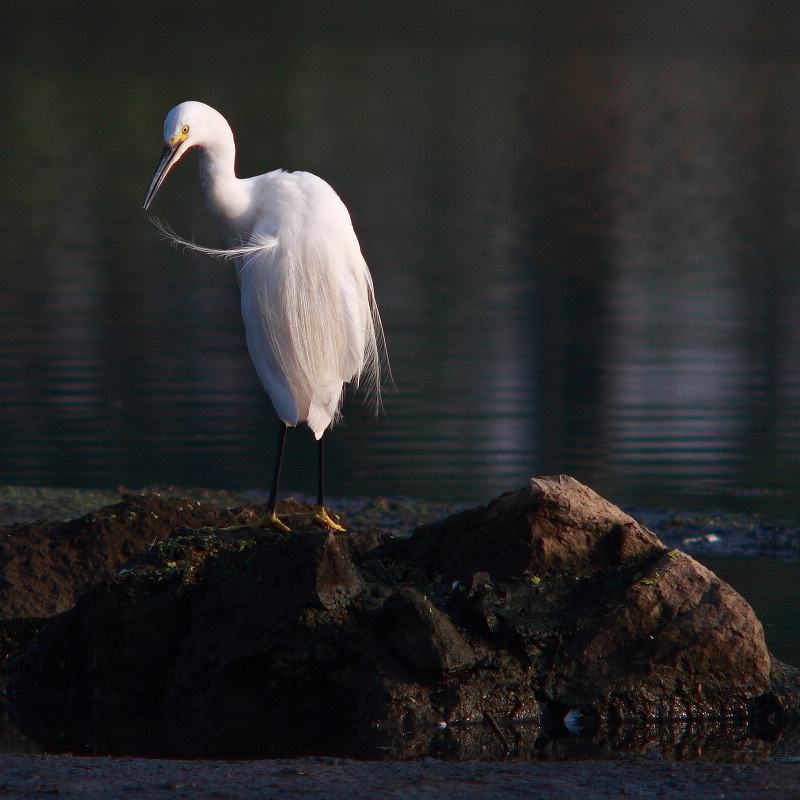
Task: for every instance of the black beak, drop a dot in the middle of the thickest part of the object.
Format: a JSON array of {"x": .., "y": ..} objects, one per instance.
[{"x": 169, "y": 158}]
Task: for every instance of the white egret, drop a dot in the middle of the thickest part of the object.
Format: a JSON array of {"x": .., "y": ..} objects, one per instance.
[{"x": 308, "y": 305}]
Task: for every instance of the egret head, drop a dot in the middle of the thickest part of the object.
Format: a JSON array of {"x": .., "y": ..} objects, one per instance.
[{"x": 187, "y": 125}]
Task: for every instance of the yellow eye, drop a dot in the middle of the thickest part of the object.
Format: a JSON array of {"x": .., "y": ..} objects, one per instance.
[{"x": 185, "y": 130}]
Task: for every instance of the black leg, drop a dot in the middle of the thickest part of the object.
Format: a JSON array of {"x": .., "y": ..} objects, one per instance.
[
  {"x": 320, "y": 501},
  {"x": 276, "y": 472},
  {"x": 320, "y": 514}
]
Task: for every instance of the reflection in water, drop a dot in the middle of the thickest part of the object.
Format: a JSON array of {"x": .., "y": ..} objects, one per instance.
[
  {"x": 676, "y": 379},
  {"x": 583, "y": 241},
  {"x": 132, "y": 731},
  {"x": 691, "y": 394}
]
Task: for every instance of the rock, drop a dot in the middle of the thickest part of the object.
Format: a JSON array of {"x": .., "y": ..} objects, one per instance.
[
  {"x": 423, "y": 636},
  {"x": 692, "y": 646},
  {"x": 546, "y": 600},
  {"x": 46, "y": 566},
  {"x": 552, "y": 526}
]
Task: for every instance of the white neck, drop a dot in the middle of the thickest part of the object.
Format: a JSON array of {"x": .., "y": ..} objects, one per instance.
[{"x": 226, "y": 197}]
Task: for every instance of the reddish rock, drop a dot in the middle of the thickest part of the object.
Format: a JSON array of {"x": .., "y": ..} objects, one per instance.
[
  {"x": 552, "y": 526},
  {"x": 685, "y": 638}
]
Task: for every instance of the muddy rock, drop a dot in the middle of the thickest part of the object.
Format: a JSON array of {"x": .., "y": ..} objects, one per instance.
[
  {"x": 46, "y": 565},
  {"x": 423, "y": 636},
  {"x": 547, "y": 601}
]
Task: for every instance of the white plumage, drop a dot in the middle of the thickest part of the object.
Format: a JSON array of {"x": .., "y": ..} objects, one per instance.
[{"x": 307, "y": 297}]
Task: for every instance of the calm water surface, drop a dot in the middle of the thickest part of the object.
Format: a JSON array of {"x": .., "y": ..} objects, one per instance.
[{"x": 583, "y": 227}]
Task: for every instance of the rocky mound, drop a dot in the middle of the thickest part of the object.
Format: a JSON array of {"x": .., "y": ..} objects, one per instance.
[{"x": 548, "y": 604}]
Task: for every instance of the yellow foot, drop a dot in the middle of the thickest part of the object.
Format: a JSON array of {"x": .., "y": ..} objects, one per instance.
[
  {"x": 271, "y": 521},
  {"x": 319, "y": 514}
]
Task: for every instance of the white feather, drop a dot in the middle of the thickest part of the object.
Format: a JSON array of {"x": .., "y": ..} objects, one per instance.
[{"x": 259, "y": 244}]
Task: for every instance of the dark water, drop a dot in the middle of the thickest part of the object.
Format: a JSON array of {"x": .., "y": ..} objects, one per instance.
[
  {"x": 771, "y": 588},
  {"x": 583, "y": 226}
]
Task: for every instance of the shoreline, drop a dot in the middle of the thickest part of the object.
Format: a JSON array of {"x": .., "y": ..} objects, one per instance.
[
  {"x": 703, "y": 533},
  {"x": 68, "y": 777}
]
